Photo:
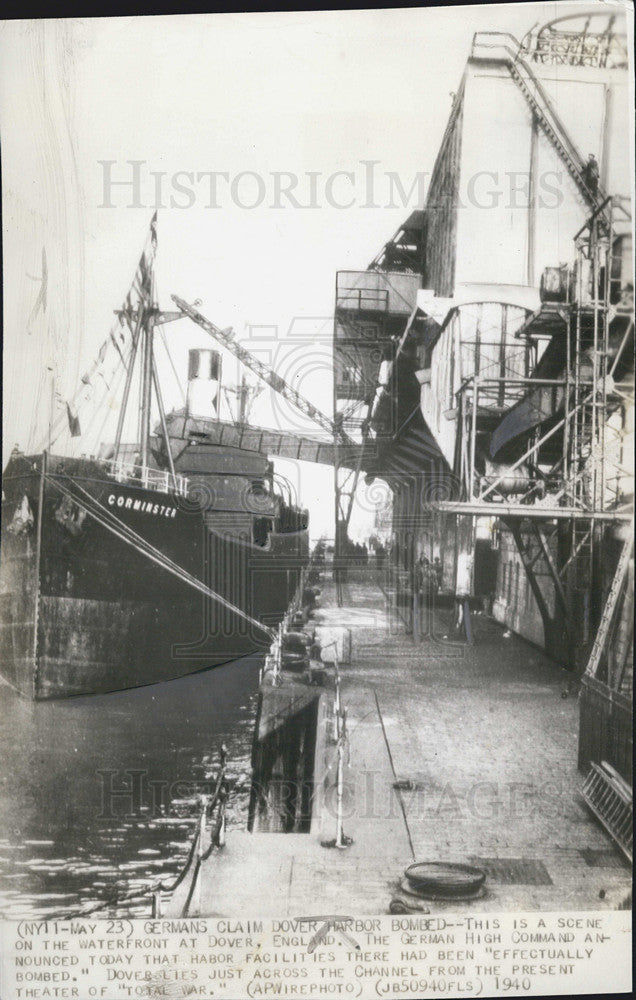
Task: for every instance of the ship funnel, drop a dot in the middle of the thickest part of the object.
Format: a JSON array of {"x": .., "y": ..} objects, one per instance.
[{"x": 204, "y": 383}]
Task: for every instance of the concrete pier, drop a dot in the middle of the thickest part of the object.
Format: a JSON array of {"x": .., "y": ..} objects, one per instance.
[{"x": 454, "y": 752}]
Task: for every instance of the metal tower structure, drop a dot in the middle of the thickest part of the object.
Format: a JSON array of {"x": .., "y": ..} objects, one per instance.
[
  {"x": 371, "y": 310},
  {"x": 542, "y": 442}
]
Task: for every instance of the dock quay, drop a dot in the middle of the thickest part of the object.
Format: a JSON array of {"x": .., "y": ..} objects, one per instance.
[{"x": 452, "y": 752}]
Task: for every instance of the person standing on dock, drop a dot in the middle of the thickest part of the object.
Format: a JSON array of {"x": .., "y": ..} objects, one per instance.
[
  {"x": 462, "y": 594},
  {"x": 425, "y": 589},
  {"x": 439, "y": 571}
]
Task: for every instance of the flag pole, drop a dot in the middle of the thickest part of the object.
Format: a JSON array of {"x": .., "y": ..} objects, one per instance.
[{"x": 52, "y": 407}]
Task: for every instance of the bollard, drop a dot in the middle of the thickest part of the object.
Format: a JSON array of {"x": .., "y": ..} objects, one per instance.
[
  {"x": 199, "y": 853},
  {"x": 339, "y": 830},
  {"x": 223, "y": 791},
  {"x": 201, "y": 828},
  {"x": 467, "y": 623},
  {"x": 220, "y": 840},
  {"x": 156, "y": 905},
  {"x": 336, "y": 704},
  {"x": 341, "y": 840},
  {"x": 278, "y": 653}
]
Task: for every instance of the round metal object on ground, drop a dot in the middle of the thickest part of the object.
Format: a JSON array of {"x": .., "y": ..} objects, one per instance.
[
  {"x": 407, "y": 891},
  {"x": 444, "y": 878}
]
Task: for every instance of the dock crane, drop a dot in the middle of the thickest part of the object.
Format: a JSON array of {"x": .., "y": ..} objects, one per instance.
[
  {"x": 264, "y": 372},
  {"x": 334, "y": 428}
]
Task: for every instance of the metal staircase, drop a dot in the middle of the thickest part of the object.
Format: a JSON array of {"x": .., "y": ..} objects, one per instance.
[
  {"x": 609, "y": 797},
  {"x": 509, "y": 50},
  {"x": 552, "y": 126}
]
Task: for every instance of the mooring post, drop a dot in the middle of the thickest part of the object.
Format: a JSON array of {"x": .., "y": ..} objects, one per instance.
[
  {"x": 467, "y": 623},
  {"x": 341, "y": 840},
  {"x": 223, "y": 792},
  {"x": 279, "y": 652},
  {"x": 199, "y": 854},
  {"x": 220, "y": 840},
  {"x": 336, "y": 704}
]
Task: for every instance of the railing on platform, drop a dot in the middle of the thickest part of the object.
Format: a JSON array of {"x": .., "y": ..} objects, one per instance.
[
  {"x": 362, "y": 299},
  {"x": 212, "y": 811},
  {"x": 550, "y": 45},
  {"x": 340, "y": 841},
  {"x": 150, "y": 479}
]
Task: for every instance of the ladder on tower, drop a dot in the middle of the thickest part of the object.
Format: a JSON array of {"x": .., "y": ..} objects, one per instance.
[
  {"x": 611, "y": 605},
  {"x": 599, "y": 280},
  {"x": 552, "y": 126}
]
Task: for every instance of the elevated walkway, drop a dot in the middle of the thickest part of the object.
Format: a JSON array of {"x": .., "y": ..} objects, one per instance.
[{"x": 184, "y": 430}]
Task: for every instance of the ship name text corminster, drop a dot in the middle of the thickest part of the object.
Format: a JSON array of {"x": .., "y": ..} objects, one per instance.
[{"x": 145, "y": 506}]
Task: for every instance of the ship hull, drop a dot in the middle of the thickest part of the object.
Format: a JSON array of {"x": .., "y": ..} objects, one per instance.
[{"x": 83, "y": 609}]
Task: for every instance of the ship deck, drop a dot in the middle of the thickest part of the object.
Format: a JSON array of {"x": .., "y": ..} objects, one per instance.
[{"x": 483, "y": 739}]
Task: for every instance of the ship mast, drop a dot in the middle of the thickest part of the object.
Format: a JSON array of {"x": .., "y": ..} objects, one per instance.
[
  {"x": 147, "y": 377},
  {"x": 141, "y": 322}
]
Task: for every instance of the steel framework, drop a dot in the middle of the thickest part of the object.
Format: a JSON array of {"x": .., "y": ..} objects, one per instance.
[{"x": 571, "y": 471}]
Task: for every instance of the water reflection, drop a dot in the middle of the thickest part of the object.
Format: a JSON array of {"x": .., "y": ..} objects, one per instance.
[{"x": 86, "y": 793}]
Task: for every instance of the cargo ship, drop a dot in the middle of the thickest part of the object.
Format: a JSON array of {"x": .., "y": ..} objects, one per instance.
[{"x": 122, "y": 569}]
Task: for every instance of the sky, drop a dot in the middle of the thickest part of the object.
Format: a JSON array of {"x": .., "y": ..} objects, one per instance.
[{"x": 266, "y": 99}]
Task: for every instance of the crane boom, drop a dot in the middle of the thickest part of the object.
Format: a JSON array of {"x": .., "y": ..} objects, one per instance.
[{"x": 269, "y": 376}]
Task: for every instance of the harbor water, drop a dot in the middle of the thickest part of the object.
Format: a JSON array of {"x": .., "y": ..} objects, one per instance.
[{"x": 90, "y": 786}]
